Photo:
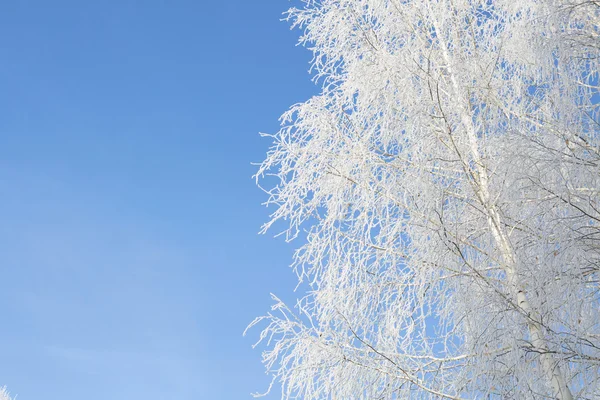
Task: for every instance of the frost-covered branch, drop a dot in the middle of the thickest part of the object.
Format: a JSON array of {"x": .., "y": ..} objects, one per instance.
[
  {"x": 447, "y": 177},
  {"x": 4, "y": 395}
]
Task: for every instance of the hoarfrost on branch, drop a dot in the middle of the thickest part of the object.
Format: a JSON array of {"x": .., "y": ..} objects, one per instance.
[{"x": 448, "y": 179}]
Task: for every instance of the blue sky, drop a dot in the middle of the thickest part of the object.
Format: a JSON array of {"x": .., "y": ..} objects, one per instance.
[{"x": 130, "y": 262}]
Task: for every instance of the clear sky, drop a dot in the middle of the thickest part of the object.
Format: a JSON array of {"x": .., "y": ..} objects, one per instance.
[{"x": 129, "y": 257}]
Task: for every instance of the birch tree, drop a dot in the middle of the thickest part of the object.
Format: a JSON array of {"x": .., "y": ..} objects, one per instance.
[{"x": 446, "y": 181}]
